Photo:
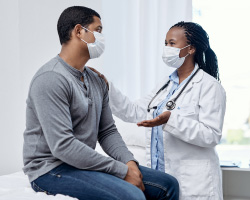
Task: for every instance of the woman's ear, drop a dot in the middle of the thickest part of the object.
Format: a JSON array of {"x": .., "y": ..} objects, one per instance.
[{"x": 191, "y": 50}]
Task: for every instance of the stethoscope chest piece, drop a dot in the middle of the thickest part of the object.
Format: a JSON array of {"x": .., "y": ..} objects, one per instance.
[{"x": 170, "y": 105}]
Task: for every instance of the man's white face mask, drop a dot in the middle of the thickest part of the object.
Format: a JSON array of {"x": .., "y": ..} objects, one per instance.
[
  {"x": 171, "y": 56},
  {"x": 96, "y": 48}
]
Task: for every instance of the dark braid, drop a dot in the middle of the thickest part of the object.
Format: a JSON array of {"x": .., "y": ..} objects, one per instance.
[{"x": 204, "y": 55}]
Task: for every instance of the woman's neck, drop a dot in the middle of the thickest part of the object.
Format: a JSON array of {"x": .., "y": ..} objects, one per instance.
[{"x": 185, "y": 70}]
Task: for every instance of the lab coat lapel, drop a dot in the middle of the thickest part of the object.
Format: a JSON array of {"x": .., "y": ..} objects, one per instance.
[
  {"x": 162, "y": 95},
  {"x": 197, "y": 78}
]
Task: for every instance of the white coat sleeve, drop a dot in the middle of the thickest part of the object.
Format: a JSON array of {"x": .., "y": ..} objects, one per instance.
[
  {"x": 123, "y": 108},
  {"x": 207, "y": 130}
]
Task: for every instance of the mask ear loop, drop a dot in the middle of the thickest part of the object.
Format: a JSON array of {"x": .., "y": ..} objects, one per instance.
[
  {"x": 87, "y": 30},
  {"x": 184, "y": 48},
  {"x": 83, "y": 40}
]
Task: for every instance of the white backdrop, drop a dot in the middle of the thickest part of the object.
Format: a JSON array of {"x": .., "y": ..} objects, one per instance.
[{"x": 134, "y": 30}]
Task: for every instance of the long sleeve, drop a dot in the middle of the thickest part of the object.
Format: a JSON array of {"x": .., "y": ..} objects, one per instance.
[
  {"x": 109, "y": 138},
  {"x": 123, "y": 108},
  {"x": 50, "y": 96},
  {"x": 207, "y": 130}
]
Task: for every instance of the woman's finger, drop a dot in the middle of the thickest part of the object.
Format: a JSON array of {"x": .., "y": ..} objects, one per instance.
[
  {"x": 143, "y": 123},
  {"x": 142, "y": 187},
  {"x": 94, "y": 70},
  {"x": 100, "y": 75},
  {"x": 148, "y": 123}
]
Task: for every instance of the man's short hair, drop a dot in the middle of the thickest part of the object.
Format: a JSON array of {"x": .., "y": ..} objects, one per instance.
[{"x": 72, "y": 16}]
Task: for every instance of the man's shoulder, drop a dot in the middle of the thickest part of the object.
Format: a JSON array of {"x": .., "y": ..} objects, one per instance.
[
  {"x": 50, "y": 73},
  {"x": 51, "y": 65}
]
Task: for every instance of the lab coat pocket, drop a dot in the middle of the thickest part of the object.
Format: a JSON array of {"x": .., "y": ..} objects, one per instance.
[
  {"x": 187, "y": 109},
  {"x": 196, "y": 178}
]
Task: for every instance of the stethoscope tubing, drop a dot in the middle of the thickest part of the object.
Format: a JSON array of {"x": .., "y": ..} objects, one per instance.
[{"x": 173, "y": 101}]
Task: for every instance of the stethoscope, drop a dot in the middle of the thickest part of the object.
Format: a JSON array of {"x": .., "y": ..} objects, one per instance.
[{"x": 170, "y": 105}]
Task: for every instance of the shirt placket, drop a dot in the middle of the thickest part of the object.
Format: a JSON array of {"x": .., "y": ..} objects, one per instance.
[
  {"x": 155, "y": 136},
  {"x": 86, "y": 82}
]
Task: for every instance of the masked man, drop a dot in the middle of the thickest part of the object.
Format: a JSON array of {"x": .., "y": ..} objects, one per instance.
[{"x": 68, "y": 112}]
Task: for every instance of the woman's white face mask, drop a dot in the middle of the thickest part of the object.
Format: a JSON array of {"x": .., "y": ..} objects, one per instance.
[
  {"x": 96, "y": 48},
  {"x": 171, "y": 56}
]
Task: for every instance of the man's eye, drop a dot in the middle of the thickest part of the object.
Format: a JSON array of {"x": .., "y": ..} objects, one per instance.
[{"x": 99, "y": 30}]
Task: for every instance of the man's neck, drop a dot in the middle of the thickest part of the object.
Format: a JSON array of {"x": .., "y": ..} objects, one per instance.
[
  {"x": 74, "y": 57},
  {"x": 185, "y": 70}
]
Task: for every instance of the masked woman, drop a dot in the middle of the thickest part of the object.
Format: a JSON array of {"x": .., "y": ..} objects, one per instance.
[{"x": 184, "y": 114}]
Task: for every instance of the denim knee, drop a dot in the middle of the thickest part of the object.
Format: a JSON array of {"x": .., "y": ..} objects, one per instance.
[
  {"x": 131, "y": 192},
  {"x": 167, "y": 187},
  {"x": 173, "y": 188},
  {"x": 138, "y": 195}
]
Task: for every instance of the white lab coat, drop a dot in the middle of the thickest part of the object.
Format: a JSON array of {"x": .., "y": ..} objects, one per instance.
[{"x": 189, "y": 136}]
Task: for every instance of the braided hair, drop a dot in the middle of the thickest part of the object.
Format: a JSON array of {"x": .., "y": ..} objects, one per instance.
[{"x": 204, "y": 55}]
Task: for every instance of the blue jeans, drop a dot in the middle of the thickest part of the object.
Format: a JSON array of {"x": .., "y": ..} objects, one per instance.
[{"x": 92, "y": 185}]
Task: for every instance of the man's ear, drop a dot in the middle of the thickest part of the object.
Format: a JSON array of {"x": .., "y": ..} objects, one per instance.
[
  {"x": 191, "y": 50},
  {"x": 77, "y": 30}
]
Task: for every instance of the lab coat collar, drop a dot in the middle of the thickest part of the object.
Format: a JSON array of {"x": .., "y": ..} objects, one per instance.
[
  {"x": 174, "y": 76},
  {"x": 198, "y": 76}
]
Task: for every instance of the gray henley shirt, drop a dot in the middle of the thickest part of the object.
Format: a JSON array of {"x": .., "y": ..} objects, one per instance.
[{"x": 65, "y": 118}]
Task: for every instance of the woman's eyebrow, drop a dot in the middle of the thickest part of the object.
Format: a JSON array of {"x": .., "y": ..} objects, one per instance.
[{"x": 171, "y": 40}]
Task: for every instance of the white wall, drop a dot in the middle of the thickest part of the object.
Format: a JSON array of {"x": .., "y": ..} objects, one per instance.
[
  {"x": 10, "y": 117},
  {"x": 28, "y": 39}
]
